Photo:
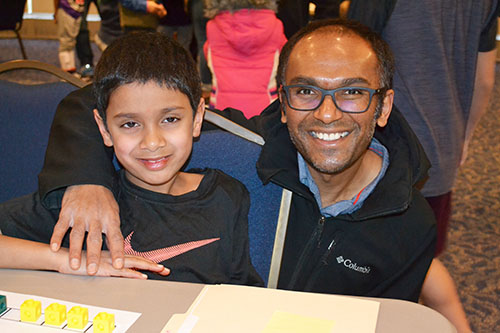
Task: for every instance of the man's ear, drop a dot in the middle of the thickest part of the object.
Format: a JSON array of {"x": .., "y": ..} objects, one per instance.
[
  {"x": 386, "y": 108},
  {"x": 198, "y": 118},
  {"x": 106, "y": 137},
  {"x": 282, "y": 106}
]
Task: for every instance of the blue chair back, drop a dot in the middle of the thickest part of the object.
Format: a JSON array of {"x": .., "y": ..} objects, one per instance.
[
  {"x": 237, "y": 157},
  {"x": 26, "y": 113}
]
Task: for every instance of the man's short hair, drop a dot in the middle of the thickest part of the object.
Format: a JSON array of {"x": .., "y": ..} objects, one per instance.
[
  {"x": 343, "y": 27},
  {"x": 141, "y": 57}
]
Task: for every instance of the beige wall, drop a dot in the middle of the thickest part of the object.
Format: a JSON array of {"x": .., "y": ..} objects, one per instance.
[{"x": 47, "y": 6}]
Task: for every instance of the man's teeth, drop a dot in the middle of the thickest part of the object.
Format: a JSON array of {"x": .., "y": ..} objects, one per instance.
[{"x": 329, "y": 136}]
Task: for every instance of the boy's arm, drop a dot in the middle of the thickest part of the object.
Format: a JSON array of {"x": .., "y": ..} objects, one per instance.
[
  {"x": 76, "y": 157},
  {"x": 439, "y": 293},
  {"x": 23, "y": 254}
]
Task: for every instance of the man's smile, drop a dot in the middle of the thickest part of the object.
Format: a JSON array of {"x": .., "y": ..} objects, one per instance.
[{"x": 329, "y": 136}]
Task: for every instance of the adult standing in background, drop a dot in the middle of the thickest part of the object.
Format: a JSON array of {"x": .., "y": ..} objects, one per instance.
[{"x": 445, "y": 56}]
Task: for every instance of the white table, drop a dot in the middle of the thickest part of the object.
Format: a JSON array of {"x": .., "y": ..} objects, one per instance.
[{"x": 159, "y": 300}]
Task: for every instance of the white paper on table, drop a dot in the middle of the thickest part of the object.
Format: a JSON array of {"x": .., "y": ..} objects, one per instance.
[
  {"x": 229, "y": 308},
  {"x": 8, "y": 322}
]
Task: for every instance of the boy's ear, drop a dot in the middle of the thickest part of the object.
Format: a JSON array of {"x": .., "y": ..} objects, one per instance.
[
  {"x": 198, "y": 118},
  {"x": 106, "y": 137},
  {"x": 386, "y": 108}
]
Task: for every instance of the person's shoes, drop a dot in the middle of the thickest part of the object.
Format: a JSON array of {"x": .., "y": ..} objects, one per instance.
[{"x": 87, "y": 71}]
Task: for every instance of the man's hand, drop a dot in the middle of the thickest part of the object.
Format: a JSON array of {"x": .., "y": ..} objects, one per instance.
[
  {"x": 131, "y": 263},
  {"x": 156, "y": 9},
  {"x": 89, "y": 208}
]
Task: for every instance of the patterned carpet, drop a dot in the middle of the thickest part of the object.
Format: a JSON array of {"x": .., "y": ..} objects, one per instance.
[{"x": 473, "y": 254}]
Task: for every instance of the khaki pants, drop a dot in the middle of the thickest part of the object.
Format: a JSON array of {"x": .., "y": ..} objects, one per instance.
[{"x": 67, "y": 30}]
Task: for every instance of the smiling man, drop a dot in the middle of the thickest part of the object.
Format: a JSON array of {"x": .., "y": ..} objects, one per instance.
[{"x": 357, "y": 224}]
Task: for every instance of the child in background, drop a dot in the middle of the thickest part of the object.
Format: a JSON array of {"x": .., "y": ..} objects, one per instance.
[
  {"x": 149, "y": 108},
  {"x": 244, "y": 39},
  {"x": 68, "y": 18}
]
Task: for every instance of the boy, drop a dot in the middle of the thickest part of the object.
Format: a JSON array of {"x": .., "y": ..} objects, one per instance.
[{"x": 149, "y": 108}]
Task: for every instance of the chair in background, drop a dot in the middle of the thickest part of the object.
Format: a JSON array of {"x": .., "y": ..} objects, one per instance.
[
  {"x": 11, "y": 18},
  {"x": 27, "y": 112},
  {"x": 235, "y": 151},
  {"x": 43, "y": 67}
]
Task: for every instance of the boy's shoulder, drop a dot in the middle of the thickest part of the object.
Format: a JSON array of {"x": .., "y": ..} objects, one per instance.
[{"x": 223, "y": 181}]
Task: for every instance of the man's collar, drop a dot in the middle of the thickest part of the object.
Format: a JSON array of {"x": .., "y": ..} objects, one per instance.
[{"x": 344, "y": 206}]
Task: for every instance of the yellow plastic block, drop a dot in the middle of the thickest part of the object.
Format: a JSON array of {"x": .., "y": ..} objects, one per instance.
[
  {"x": 31, "y": 310},
  {"x": 104, "y": 322},
  {"x": 78, "y": 317},
  {"x": 55, "y": 314}
]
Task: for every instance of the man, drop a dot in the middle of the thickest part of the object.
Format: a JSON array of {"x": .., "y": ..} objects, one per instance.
[
  {"x": 445, "y": 54},
  {"x": 357, "y": 223}
]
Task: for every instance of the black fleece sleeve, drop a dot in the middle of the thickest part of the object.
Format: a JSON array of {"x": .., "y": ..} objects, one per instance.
[{"x": 75, "y": 153}]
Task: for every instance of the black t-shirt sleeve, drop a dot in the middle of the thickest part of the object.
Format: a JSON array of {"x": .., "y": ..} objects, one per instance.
[
  {"x": 489, "y": 33},
  {"x": 75, "y": 153}
]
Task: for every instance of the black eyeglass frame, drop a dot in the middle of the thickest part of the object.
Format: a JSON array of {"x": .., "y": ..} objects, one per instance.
[{"x": 331, "y": 93}]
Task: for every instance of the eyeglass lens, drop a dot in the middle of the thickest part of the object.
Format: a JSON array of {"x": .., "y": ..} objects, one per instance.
[{"x": 347, "y": 99}]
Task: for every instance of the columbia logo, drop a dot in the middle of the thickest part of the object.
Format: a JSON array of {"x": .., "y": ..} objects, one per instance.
[{"x": 352, "y": 265}]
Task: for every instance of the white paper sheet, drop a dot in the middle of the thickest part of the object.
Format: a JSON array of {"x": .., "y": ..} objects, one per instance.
[{"x": 227, "y": 308}]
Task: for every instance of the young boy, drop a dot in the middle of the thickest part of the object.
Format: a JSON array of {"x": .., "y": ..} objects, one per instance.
[{"x": 149, "y": 108}]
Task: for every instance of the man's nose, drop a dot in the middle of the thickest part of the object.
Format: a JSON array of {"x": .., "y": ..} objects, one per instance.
[
  {"x": 153, "y": 139},
  {"x": 328, "y": 112}
]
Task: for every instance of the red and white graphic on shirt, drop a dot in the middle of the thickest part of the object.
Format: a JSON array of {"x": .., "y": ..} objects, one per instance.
[{"x": 165, "y": 253}]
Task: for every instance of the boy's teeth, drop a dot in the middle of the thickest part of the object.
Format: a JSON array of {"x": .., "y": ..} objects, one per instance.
[{"x": 330, "y": 136}]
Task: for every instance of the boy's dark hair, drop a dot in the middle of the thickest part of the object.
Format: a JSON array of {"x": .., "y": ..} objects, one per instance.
[
  {"x": 343, "y": 27},
  {"x": 141, "y": 57}
]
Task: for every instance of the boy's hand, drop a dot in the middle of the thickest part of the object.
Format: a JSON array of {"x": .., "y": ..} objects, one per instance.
[
  {"x": 131, "y": 263},
  {"x": 156, "y": 9},
  {"x": 89, "y": 208}
]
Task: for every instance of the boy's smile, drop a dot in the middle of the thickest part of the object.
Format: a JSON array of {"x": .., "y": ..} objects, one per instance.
[{"x": 151, "y": 128}]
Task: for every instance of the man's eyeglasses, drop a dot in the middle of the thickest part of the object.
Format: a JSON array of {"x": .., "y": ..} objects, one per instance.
[{"x": 302, "y": 97}]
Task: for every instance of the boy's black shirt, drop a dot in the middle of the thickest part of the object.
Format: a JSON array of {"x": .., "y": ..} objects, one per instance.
[{"x": 202, "y": 236}]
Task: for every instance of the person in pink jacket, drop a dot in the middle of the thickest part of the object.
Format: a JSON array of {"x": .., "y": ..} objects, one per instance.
[{"x": 244, "y": 39}]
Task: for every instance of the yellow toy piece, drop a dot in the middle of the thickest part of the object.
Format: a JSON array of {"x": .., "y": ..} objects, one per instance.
[
  {"x": 31, "y": 310},
  {"x": 104, "y": 322},
  {"x": 78, "y": 317},
  {"x": 55, "y": 314}
]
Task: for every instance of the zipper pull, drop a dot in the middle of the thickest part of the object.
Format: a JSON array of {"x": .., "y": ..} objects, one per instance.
[
  {"x": 328, "y": 251},
  {"x": 320, "y": 227}
]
